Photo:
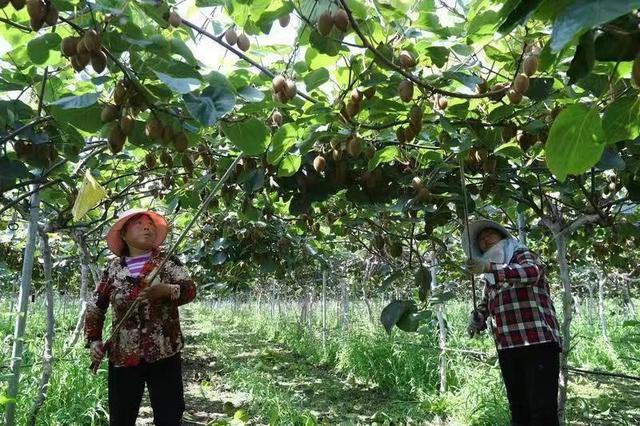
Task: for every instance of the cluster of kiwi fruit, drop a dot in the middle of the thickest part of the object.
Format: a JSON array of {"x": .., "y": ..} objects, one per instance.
[
  {"x": 353, "y": 106},
  {"x": 241, "y": 40},
  {"x": 410, "y": 131},
  {"x": 84, "y": 50},
  {"x": 422, "y": 193},
  {"x": 275, "y": 119},
  {"x": 284, "y": 89},
  {"x": 127, "y": 102},
  {"x": 40, "y": 13},
  {"x": 480, "y": 159},
  {"x": 42, "y": 154},
  {"x": 520, "y": 83},
  {"x": 166, "y": 134},
  {"x": 328, "y": 20}
]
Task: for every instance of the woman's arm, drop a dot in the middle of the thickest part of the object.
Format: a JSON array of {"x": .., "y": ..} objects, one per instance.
[
  {"x": 97, "y": 309},
  {"x": 183, "y": 289},
  {"x": 525, "y": 270}
]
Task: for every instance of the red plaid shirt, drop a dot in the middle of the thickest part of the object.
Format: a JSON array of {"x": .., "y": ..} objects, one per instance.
[{"x": 520, "y": 303}]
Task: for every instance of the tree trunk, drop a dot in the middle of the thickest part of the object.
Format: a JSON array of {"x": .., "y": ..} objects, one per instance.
[
  {"x": 442, "y": 328},
  {"x": 84, "y": 282},
  {"x": 324, "y": 310},
  {"x": 561, "y": 256},
  {"x": 47, "y": 358},
  {"x": 590, "y": 303},
  {"x": 344, "y": 302},
  {"x": 522, "y": 230},
  {"x": 23, "y": 304},
  {"x": 602, "y": 278}
]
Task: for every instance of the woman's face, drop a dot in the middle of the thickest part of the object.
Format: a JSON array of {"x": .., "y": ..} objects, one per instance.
[
  {"x": 140, "y": 232},
  {"x": 488, "y": 238}
]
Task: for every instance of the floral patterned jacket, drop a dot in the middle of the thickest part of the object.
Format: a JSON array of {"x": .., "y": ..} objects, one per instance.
[{"x": 153, "y": 331}]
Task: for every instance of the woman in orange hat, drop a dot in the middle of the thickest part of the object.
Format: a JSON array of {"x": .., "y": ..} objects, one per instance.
[{"x": 146, "y": 349}]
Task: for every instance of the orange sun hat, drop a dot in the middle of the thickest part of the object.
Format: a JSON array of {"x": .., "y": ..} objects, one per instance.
[{"x": 114, "y": 239}]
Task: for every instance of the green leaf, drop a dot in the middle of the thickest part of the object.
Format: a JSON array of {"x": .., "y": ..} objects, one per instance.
[
  {"x": 281, "y": 142},
  {"x": 393, "y": 312},
  {"x": 11, "y": 170},
  {"x": 208, "y": 108},
  {"x": 384, "y": 155},
  {"x": 575, "y": 141},
  {"x": 251, "y": 94},
  {"x": 583, "y": 60},
  {"x": 517, "y": 14},
  {"x": 586, "y": 14},
  {"x": 539, "y": 88},
  {"x": 316, "y": 78},
  {"x": 179, "y": 47},
  {"x": 250, "y": 135},
  {"x": 87, "y": 118},
  {"x": 177, "y": 84},
  {"x": 74, "y": 102},
  {"x": 610, "y": 160},
  {"x": 439, "y": 55},
  {"x": 289, "y": 165},
  {"x": 621, "y": 119},
  {"x": 39, "y": 48}
]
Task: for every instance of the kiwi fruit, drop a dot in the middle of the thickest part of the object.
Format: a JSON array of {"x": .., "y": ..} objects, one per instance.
[
  {"x": 174, "y": 19},
  {"x": 521, "y": 83},
  {"x": 92, "y": 41},
  {"x": 126, "y": 124},
  {"x": 120, "y": 92},
  {"x": 75, "y": 64},
  {"x": 443, "y": 103},
  {"x": 530, "y": 65},
  {"x": 356, "y": 96},
  {"x": 36, "y": 23},
  {"x": 187, "y": 164},
  {"x": 482, "y": 87},
  {"x": 508, "y": 132},
  {"x": 319, "y": 163},
  {"x": 276, "y": 118},
  {"x": 416, "y": 115},
  {"x": 99, "y": 62},
  {"x": 500, "y": 89},
  {"x": 400, "y": 135},
  {"x": 336, "y": 154},
  {"x": 278, "y": 83},
  {"x": 165, "y": 158},
  {"x": 341, "y": 20},
  {"x": 284, "y": 20},
  {"x": 416, "y": 183},
  {"x": 325, "y": 23},
  {"x": 243, "y": 42},
  {"x": 354, "y": 146},
  {"x": 279, "y": 97},
  {"x": 406, "y": 59},
  {"x": 18, "y": 4},
  {"x": 116, "y": 139},
  {"x": 36, "y": 10},
  {"x": 180, "y": 142},
  {"x": 109, "y": 113},
  {"x": 150, "y": 160},
  {"x": 231, "y": 36},
  {"x": 69, "y": 46},
  {"x": 409, "y": 134},
  {"x": 489, "y": 165},
  {"x": 290, "y": 89},
  {"x": 353, "y": 108},
  {"x": 405, "y": 90},
  {"x": 369, "y": 92},
  {"x": 153, "y": 129},
  {"x": 51, "y": 18},
  {"x": 167, "y": 134},
  {"x": 525, "y": 140},
  {"x": 83, "y": 59},
  {"x": 514, "y": 97}
]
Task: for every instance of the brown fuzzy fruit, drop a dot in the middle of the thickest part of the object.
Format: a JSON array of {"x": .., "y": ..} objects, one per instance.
[
  {"x": 75, "y": 64},
  {"x": 109, "y": 113},
  {"x": 443, "y": 103},
  {"x": 99, "y": 62},
  {"x": 126, "y": 124},
  {"x": 92, "y": 41},
  {"x": 120, "y": 93},
  {"x": 405, "y": 90},
  {"x": 482, "y": 87},
  {"x": 489, "y": 165},
  {"x": 530, "y": 65},
  {"x": 400, "y": 135},
  {"x": 354, "y": 146},
  {"x": 521, "y": 83},
  {"x": 276, "y": 118},
  {"x": 231, "y": 36},
  {"x": 81, "y": 48},
  {"x": 514, "y": 97},
  {"x": 174, "y": 19},
  {"x": 83, "y": 59},
  {"x": 153, "y": 129},
  {"x": 166, "y": 159},
  {"x": 406, "y": 59},
  {"x": 356, "y": 95},
  {"x": 290, "y": 89},
  {"x": 409, "y": 134},
  {"x": 341, "y": 20},
  {"x": 116, "y": 139},
  {"x": 69, "y": 46},
  {"x": 325, "y": 23},
  {"x": 51, "y": 18},
  {"x": 18, "y": 4},
  {"x": 525, "y": 140},
  {"x": 279, "y": 97},
  {"x": 416, "y": 115},
  {"x": 416, "y": 183},
  {"x": 319, "y": 163},
  {"x": 150, "y": 160},
  {"x": 180, "y": 142},
  {"x": 500, "y": 88},
  {"x": 284, "y": 20},
  {"x": 187, "y": 164},
  {"x": 243, "y": 42},
  {"x": 635, "y": 72},
  {"x": 353, "y": 108},
  {"x": 509, "y": 132},
  {"x": 36, "y": 10},
  {"x": 370, "y": 92},
  {"x": 36, "y": 23},
  {"x": 3, "y": 3},
  {"x": 278, "y": 83},
  {"x": 336, "y": 154}
]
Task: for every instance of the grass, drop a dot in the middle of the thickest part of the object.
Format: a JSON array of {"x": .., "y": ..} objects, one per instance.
[{"x": 361, "y": 375}]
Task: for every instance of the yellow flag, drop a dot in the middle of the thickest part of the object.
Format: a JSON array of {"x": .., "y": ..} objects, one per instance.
[{"x": 90, "y": 194}]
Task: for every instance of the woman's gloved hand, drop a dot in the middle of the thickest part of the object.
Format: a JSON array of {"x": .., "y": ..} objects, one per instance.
[
  {"x": 477, "y": 323},
  {"x": 478, "y": 266},
  {"x": 96, "y": 350}
]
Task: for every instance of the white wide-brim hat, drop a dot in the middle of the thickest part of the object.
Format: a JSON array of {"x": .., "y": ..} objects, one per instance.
[{"x": 475, "y": 228}]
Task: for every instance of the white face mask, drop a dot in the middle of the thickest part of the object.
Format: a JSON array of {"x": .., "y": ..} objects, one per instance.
[{"x": 496, "y": 253}]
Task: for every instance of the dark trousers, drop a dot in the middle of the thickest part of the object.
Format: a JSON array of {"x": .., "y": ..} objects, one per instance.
[
  {"x": 164, "y": 382},
  {"x": 530, "y": 374}
]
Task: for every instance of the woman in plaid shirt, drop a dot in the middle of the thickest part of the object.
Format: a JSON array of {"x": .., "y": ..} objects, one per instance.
[{"x": 517, "y": 301}]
